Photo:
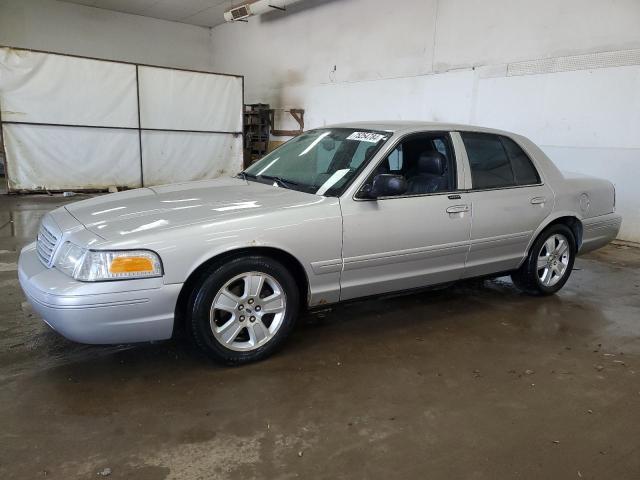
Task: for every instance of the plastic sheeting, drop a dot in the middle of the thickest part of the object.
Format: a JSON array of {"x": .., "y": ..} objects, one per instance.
[
  {"x": 201, "y": 155},
  {"x": 63, "y": 158},
  {"x": 61, "y": 90},
  {"x": 43, "y": 88},
  {"x": 179, "y": 100}
]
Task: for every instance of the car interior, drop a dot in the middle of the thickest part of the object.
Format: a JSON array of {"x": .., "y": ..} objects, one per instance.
[{"x": 425, "y": 161}]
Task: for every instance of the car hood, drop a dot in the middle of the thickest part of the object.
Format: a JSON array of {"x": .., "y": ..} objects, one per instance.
[{"x": 148, "y": 210}]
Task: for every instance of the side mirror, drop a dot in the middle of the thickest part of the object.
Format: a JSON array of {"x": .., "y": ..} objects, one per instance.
[{"x": 385, "y": 185}]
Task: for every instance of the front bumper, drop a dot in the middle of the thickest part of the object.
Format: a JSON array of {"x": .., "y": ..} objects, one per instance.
[{"x": 101, "y": 312}]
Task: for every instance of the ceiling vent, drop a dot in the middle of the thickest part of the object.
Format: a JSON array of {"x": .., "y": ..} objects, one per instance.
[
  {"x": 242, "y": 12},
  {"x": 238, "y": 13}
]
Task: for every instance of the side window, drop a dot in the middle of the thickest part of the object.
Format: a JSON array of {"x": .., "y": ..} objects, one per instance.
[
  {"x": 439, "y": 144},
  {"x": 523, "y": 168},
  {"x": 490, "y": 166},
  {"x": 395, "y": 159},
  {"x": 426, "y": 161}
]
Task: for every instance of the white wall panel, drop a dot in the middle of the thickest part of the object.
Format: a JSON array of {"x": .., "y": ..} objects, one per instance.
[
  {"x": 68, "y": 158},
  {"x": 178, "y": 156},
  {"x": 481, "y": 32},
  {"x": 177, "y": 100},
  {"x": 586, "y": 108},
  {"x": 445, "y": 97},
  {"x": 44, "y": 88}
]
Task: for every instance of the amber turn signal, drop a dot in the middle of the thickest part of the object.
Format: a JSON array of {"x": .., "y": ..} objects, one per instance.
[{"x": 131, "y": 265}]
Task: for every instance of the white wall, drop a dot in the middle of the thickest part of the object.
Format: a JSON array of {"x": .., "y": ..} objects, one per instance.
[
  {"x": 76, "y": 29},
  {"x": 460, "y": 61}
]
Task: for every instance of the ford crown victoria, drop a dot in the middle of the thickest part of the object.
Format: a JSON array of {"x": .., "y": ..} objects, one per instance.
[{"x": 337, "y": 213}]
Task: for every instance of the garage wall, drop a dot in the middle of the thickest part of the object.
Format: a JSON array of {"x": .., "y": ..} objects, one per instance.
[
  {"x": 76, "y": 29},
  {"x": 566, "y": 74}
]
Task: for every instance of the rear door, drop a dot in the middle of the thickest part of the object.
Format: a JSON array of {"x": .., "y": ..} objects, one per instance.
[{"x": 509, "y": 201}]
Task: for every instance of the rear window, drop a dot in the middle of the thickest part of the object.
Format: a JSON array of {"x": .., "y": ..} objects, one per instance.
[
  {"x": 490, "y": 166},
  {"x": 497, "y": 161},
  {"x": 523, "y": 168}
]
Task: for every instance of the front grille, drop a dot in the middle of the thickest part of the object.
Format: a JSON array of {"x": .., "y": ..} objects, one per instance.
[{"x": 46, "y": 244}]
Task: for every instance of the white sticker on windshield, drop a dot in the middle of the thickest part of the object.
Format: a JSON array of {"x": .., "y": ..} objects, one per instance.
[
  {"x": 332, "y": 180},
  {"x": 366, "y": 137}
]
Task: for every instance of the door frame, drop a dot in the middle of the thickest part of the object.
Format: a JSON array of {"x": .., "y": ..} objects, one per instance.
[{"x": 463, "y": 177}]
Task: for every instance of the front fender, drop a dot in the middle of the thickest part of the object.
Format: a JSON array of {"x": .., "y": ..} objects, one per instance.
[{"x": 311, "y": 235}]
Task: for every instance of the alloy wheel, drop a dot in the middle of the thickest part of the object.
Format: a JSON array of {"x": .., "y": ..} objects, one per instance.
[
  {"x": 553, "y": 260},
  {"x": 247, "y": 311}
]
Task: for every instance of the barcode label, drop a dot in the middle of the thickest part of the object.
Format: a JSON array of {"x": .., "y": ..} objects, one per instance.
[{"x": 366, "y": 137}]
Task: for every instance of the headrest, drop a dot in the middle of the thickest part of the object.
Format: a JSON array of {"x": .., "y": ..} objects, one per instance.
[
  {"x": 369, "y": 151},
  {"x": 433, "y": 163}
]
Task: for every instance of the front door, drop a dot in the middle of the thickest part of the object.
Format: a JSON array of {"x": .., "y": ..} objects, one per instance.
[{"x": 412, "y": 240}]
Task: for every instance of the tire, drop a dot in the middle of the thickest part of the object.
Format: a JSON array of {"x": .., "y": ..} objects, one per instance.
[
  {"x": 534, "y": 278},
  {"x": 242, "y": 310}
]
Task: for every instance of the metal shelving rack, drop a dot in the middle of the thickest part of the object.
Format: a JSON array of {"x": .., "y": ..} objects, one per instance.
[{"x": 256, "y": 131}]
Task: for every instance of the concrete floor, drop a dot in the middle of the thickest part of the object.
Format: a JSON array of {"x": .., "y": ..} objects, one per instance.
[{"x": 474, "y": 381}]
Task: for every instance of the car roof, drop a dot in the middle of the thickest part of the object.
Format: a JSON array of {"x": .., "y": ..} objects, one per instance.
[{"x": 406, "y": 126}]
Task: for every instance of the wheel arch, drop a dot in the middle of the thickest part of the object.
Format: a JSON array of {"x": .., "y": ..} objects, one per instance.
[
  {"x": 565, "y": 218},
  {"x": 282, "y": 256}
]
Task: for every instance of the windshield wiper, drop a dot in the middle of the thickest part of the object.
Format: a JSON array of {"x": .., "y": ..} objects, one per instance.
[
  {"x": 245, "y": 175},
  {"x": 280, "y": 181}
]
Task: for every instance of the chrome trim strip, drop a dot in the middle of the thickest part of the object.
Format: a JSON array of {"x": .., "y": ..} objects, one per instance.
[
  {"x": 501, "y": 238},
  {"x": 401, "y": 256},
  {"x": 327, "y": 266}
]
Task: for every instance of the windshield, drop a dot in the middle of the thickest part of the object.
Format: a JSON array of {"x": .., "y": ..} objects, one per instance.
[{"x": 322, "y": 161}]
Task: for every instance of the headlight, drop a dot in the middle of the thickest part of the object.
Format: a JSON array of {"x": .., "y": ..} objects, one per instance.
[
  {"x": 98, "y": 265},
  {"x": 70, "y": 258}
]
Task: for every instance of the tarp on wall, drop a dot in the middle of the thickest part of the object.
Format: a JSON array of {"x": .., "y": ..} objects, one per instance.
[
  {"x": 42, "y": 157},
  {"x": 73, "y": 123},
  {"x": 179, "y": 100},
  {"x": 201, "y": 156},
  {"x": 43, "y": 88}
]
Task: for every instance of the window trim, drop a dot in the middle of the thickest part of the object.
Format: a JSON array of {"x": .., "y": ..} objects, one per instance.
[
  {"x": 506, "y": 187},
  {"x": 392, "y": 147}
]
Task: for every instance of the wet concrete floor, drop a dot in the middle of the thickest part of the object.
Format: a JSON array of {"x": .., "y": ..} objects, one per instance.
[{"x": 473, "y": 381}]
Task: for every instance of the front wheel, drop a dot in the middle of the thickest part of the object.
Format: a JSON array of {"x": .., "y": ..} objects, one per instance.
[
  {"x": 549, "y": 263},
  {"x": 244, "y": 309}
]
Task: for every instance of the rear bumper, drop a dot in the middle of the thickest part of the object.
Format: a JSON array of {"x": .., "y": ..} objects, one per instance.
[
  {"x": 102, "y": 312},
  {"x": 599, "y": 231}
]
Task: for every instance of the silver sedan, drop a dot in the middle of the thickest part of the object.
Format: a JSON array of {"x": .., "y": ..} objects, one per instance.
[{"x": 338, "y": 213}]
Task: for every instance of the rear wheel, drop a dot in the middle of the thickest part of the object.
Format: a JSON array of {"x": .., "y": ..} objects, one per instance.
[
  {"x": 244, "y": 309},
  {"x": 549, "y": 263}
]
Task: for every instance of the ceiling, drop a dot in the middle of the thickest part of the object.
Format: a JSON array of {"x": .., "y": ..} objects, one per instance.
[{"x": 206, "y": 13}]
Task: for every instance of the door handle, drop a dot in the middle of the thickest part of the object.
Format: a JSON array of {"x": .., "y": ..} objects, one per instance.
[
  {"x": 538, "y": 200},
  {"x": 458, "y": 209}
]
